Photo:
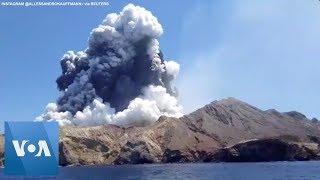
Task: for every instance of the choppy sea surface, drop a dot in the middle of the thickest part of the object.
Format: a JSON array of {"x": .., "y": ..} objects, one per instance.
[{"x": 201, "y": 171}]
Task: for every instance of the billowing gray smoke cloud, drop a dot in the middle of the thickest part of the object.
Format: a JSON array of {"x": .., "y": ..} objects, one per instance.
[{"x": 120, "y": 78}]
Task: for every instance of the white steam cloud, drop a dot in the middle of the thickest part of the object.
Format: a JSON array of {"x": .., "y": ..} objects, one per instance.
[{"x": 121, "y": 78}]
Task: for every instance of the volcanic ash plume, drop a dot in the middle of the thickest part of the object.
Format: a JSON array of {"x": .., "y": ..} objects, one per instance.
[{"x": 121, "y": 78}]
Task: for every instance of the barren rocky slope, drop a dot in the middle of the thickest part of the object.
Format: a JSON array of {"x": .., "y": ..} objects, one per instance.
[
  {"x": 167, "y": 140},
  {"x": 232, "y": 121},
  {"x": 226, "y": 130}
]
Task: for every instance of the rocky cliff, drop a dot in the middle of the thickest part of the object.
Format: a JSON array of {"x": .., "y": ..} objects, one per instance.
[{"x": 228, "y": 130}]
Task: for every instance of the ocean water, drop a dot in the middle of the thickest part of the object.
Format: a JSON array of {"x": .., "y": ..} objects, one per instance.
[{"x": 201, "y": 171}]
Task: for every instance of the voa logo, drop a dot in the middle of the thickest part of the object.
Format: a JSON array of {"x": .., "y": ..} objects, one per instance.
[
  {"x": 31, "y": 148},
  {"x": 42, "y": 148}
]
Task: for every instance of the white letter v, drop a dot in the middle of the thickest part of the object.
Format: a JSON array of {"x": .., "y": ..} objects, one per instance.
[{"x": 19, "y": 149}]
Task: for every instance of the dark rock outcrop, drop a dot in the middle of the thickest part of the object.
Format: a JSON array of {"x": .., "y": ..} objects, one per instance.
[
  {"x": 295, "y": 114},
  {"x": 137, "y": 152},
  {"x": 265, "y": 150}
]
